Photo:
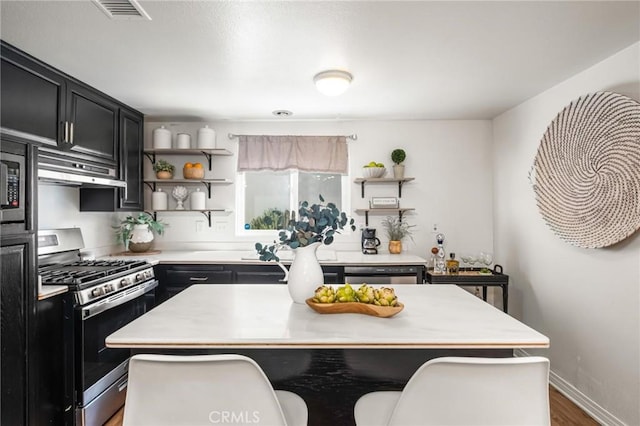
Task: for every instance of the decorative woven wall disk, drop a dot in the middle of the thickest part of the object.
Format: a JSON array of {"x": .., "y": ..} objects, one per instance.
[{"x": 587, "y": 171}]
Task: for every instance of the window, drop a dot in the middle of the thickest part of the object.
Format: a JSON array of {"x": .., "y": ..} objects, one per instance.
[
  {"x": 276, "y": 173},
  {"x": 265, "y": 199}
]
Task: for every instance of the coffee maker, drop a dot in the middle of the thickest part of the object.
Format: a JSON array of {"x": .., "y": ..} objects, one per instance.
[{"x": 369, "y": 241}]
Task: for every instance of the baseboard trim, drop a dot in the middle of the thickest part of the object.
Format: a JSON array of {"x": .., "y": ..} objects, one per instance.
[{"x": 589, "y": 406}]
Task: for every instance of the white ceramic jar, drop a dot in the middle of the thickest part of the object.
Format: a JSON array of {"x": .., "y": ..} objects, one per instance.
[
  {"x": 159, "y": 200},
  {"x": 206, "y": 138},
  {"x": 197, "y": 200},
  {"x": 162, "y": 138},
  {"x": 183, "y": 141}
]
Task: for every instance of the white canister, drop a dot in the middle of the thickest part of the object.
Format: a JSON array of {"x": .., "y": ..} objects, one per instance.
[
  {"x": 159, "y": 200},
  {"x": 206, "y": 138},
  {"x": 162, "y": 138},
  {"x": 197, "y": 200},
  {"x": 183, "y": 141}
]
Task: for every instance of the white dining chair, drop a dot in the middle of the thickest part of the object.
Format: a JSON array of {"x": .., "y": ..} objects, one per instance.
[
  {"x": 206, "y": 389},
  {"x": 464, "y": 391}
]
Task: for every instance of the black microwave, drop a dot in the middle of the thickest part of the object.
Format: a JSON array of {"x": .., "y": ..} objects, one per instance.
[{"x": 12, "y": 188}]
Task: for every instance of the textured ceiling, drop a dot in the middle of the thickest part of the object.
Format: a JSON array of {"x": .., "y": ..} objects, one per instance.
[{"x": 242, "y": 60}]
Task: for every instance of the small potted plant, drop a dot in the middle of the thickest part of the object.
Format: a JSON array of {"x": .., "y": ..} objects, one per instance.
[
  {"x": 163, "y": 169},
  {"x": 396, "y": 231},
  {"x": 136, "y": 232},
  {"x": 398, "y": 156}
]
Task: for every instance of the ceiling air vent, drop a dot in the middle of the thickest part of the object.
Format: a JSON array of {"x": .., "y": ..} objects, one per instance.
[{"x": 122, "y": 9}]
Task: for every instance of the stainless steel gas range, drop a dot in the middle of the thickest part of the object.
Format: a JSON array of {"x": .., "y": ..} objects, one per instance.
[{"x": 108, "y": 294}]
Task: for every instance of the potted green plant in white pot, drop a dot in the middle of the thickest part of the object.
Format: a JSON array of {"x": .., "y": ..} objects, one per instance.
[
  {"x": 317, "y": 225},
  {"x": 137, "y": 232},
  {"x": 398, "y": 156},
  {"x": 396, "y": 230},
  {"x": 163, "y": 169}
]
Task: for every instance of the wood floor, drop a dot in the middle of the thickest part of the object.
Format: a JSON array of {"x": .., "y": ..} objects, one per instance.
[{"x": 563, "y": 412}]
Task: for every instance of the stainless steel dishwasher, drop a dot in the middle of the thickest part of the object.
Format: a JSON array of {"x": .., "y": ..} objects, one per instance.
[{"x": 396, "y": 274}]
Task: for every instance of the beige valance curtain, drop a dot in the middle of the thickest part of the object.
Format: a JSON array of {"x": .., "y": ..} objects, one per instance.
[{"x": 327, "y": 154}]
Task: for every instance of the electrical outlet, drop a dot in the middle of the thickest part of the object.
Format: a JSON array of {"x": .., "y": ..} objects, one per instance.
[
  {"x": 220, "y": 225},
  {"x": 199, "y": 225}
]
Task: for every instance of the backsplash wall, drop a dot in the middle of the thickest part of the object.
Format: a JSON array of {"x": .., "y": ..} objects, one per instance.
[{"x": 450, "y": 161}]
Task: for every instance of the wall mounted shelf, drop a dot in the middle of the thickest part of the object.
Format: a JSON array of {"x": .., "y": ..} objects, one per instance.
[
  {"x": 363, "y": 181},
  {"x": 205, "y": 212},
  {"x": 381, "y": 211},
  {"x": 208, "y": 153},
  {"x": 152, "y": 183}
]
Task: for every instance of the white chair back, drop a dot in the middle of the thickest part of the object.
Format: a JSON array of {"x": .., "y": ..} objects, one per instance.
[
  {"x": 200, "y": 390},
  {"x": 476, "y": 391}
]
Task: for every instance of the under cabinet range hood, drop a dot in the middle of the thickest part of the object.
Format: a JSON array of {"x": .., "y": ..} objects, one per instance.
[{"x": 70, "y": 171}]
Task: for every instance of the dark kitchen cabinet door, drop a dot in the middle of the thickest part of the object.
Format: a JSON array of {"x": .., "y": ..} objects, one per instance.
[
  {"x": 131, "y": 197},
  {"x": 52, "y": 363},
  {"x": 93, "y": 124},
  {"x": 17, "y": 266},
  {"x": 32, "y": 100}
]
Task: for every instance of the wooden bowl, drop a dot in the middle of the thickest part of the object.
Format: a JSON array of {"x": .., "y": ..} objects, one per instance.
[
  {"x": 355, "y": 308},
  {"x": 193, "y": 172}
]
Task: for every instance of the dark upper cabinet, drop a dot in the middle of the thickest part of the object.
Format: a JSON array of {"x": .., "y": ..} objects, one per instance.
[
  {"x": 131, "y": 128},
  {"x": 130, "y": 153},
  {"x": 33, "y": 96},
  {"x": 92, "y": 123},
  {"x": 43, "y": 104}
]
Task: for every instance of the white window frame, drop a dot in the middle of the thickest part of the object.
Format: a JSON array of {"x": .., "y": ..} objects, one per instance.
[{"x": 272, "y": 234}]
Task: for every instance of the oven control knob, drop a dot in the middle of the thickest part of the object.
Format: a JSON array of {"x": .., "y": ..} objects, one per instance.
[
  {"x": 139, "y": 277},
  {"x": 123, "y": 282},
  {"x": 97, "y": 292}
]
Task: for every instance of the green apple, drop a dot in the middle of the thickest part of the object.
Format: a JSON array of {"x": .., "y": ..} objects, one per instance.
[
  {"x": 379, "y": 165},
  {"x": 373, "y": 164}
]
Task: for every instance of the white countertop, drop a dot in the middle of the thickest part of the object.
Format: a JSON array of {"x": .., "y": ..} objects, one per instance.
[
  {"x": 263, "y": 316},
  {"x": 326, "y": 257}
]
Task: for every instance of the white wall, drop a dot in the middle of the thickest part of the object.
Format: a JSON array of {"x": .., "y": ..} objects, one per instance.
[
  {"x": 450, "y": 160},
  {"x": 58, "y": 207},
  {"x": 586, "y": 301}
]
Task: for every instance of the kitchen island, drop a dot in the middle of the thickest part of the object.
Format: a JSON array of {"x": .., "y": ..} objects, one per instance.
[{"x": 329, "y": 360}]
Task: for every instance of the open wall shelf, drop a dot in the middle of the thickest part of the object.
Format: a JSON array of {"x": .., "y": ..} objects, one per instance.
[
  {"x": 208, "y": 153},
  {"x": 385, "y": 212},
  {"x": 363, "y": 181},
  {"x": 205, "y": 212},
  {"x": 153, "y": 183}
]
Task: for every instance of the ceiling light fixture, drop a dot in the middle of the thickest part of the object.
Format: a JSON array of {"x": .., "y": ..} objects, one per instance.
[
  {"x": 332, "y": 82},
  {"x": 282, "y": 113}
]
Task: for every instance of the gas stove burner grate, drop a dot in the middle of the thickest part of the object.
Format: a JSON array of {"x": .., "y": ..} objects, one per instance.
[
  {"x": 86, "y": 272},
  {"x": 126, "y": 264}
]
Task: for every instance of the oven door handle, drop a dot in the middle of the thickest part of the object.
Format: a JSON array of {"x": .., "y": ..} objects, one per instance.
[{"x": 117, "y": 299}]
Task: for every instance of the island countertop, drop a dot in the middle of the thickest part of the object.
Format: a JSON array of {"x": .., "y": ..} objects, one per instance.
[{"x": 263, "y": 316}]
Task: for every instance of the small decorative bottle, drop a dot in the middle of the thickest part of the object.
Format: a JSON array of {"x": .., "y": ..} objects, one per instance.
[
  {"x": 453, "y": 266},
  {"x": 432, "y": 259},
  {"x": 440, "y": 266}
]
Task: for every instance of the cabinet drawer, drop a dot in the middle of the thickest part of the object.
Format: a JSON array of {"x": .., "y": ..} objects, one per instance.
[{"x": 195, "y": 276}]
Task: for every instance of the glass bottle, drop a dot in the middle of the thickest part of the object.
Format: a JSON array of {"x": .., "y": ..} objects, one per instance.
[
  {"x": 453, "y": 266},
  {"x": 440, "y": 266}
]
